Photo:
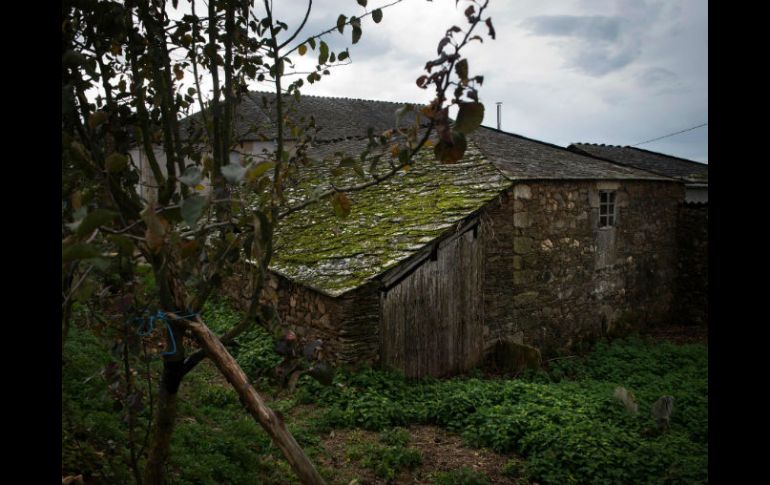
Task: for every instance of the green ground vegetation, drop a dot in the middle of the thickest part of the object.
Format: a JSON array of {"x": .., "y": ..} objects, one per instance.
[{"x": 559, "y": 425}]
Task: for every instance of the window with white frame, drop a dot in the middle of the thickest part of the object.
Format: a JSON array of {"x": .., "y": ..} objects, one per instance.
[{"x": 606, "y": 208}]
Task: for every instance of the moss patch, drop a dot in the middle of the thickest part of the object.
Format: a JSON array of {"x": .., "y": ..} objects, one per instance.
[{"x": 387, "y": 223}]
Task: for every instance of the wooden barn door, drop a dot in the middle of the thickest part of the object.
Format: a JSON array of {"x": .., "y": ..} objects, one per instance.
[{"x": 432, "y": 318}]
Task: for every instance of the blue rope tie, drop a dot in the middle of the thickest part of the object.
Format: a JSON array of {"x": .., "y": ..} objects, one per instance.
[{"x": 147, "y": 325}]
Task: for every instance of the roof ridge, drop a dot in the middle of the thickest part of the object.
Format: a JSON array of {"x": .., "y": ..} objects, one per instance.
[
  {"x": 641, "y": 150},
  {"x": 552, "y": 145},
  {"x": 342, "y": 97},
  {"x": 667, "y": 155}
]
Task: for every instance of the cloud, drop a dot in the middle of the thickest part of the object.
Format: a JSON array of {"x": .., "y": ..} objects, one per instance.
[
  {"x": 604, "y": 71},
  {"x": 656, "y": 76},
  {"x": 598, "y": 45},
  {"x": 593, "y": 28}
]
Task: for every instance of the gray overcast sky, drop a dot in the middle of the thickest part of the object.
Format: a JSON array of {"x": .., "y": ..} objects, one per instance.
[{"x": 597, "y": 71}]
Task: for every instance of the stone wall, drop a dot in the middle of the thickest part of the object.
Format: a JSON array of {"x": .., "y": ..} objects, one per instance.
[
  {"x": 310, "y": 314},
  {"x": 348, "y": 325},
  {"x": 551, "y": 277},
  {"x": 692, "y": 265},
  {"x": 554, "y": 279},
  {"x": 360, "y": 325}
]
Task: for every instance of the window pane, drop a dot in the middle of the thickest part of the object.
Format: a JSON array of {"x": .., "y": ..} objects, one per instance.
[
  {"x": 612, "y": 221},
  {"x": 602, "y": 209},
  {"x": 602, "y": 221},
  {"x": 612, "y": 197},
  {"x": 603, "y": 197}
]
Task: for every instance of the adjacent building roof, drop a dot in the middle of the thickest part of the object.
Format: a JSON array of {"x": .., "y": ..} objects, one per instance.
[
  {"x": 521, "y": 158},
  {"x": 337, "y": 118},
  {"x": 689, "y": 171}
]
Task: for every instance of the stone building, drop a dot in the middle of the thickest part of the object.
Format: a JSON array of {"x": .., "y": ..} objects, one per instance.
[
  {"x": 520, "y": 241},
  {"x": 692, "y": 225}
]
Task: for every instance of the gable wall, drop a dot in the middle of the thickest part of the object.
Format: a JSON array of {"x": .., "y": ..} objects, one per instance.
[{"x": 554, "y": 279}]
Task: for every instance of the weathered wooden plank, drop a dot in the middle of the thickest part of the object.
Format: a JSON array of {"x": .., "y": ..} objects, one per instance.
[{"x": 432, "y": 318}]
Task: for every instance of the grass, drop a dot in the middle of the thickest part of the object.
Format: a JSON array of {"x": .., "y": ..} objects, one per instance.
[{"x": 560, "y": 425}]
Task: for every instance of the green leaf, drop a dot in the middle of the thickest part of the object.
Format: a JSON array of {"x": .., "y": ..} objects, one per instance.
[
  {"x": 403, "y": 156},
  {"x": 341, "y": 204},
  {"x": 311, "y": 41},
  {"x": 192, "y": 176},
  {"x": 256, "y": 171},
  {"x": 343, "y": 55},
  {"x": 356, "y": 34},
  {"x": 377, "y": 15},
  {"x": 469, "y": 117},
  {"x": 233, "y": 172},
  {"x": 72, "y": 59},
  {"x": 302, "y": 49},
  {"x": 157, "y": 227},
  {"x": 322, "y": 372},
  {"x": 192, "y": 209},
  {"x": 84, "y": 291},
  {"x": 451, "y": 152},
  {"x": 324, "y": 53},
  {"x": 461, "y": 68},
  {"x": 97, "y": 218},
  {"x": 123, "y": 244},
  {"x": 491, "y": 28},
  {"x": 97, "y": 118},
  {"x": 341, "y": 23},
  {"x": 189, "y": 249},
  {"x": 116, "y": 162},
  {"x": 362, "y": 3},
  {"x": 79, "y": 251}
]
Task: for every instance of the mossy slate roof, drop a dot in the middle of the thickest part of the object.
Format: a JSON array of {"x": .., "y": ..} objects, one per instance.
[
  {"x": 689, "y": 171},
  {"x": 388, "y": 222},
  {"x": 391, "y": 221}
]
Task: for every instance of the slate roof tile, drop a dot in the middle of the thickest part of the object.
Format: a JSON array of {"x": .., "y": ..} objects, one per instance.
[
  {"x": 521, "y": 158},
  {"x": 337, "y": 118},
  {"x": 689, "y": 171}
]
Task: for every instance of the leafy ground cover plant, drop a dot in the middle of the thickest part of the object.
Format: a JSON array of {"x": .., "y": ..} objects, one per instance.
[
  {"x": 463, "y": 476},
  {"x": 565, "y": 421}
]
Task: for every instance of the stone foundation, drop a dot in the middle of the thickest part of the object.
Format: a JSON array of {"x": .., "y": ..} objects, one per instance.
[{"x": 348, "y": 325}]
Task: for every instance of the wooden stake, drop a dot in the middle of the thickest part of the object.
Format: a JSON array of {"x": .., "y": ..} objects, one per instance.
[{"x": 255, "y": 404}]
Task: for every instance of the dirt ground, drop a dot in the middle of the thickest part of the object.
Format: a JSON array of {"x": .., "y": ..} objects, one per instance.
[{"x": 440, "y": 450}]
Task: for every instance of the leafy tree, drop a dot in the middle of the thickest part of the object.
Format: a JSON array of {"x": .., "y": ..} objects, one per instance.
[{"x": 130, "y": 75}]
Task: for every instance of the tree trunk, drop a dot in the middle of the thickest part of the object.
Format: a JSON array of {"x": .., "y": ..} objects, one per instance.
[
  {"x": 267, "y": 418},
  {"x": 163, "y": 424}
]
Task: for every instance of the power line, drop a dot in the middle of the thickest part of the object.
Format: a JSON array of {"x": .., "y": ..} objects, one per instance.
[{"x": 670, "y": 134}]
